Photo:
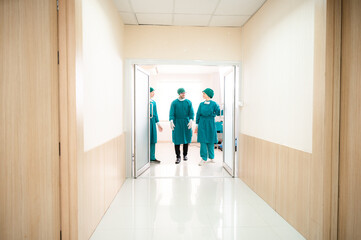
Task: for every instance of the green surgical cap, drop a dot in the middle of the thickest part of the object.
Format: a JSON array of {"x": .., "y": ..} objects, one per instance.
[
  {"x": 180, "y": 90},
  {"x": 209, "y": 92},
  {"x": 151, "y": 89}
]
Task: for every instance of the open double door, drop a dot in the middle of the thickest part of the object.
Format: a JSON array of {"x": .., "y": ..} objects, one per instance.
[
  {"x": 141, "y": 113},
  {"x": 140, "y": 126},
  {"x": 229, "y": 127}
]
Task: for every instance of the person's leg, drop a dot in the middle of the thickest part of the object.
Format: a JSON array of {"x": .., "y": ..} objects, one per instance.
[
  {"x": 204, "y": 151},
  {"x": 152, "y": 154},
  {"x": 152, "y": 151},
  {"x": 185, "y": 152},
  {"x": 177, "y": 152},
  {"x": 210, "y": 147}
]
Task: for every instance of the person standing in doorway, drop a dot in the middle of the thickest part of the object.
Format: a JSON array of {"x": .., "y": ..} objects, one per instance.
[
  {"x": 181, "y": 116},
  {"x": 206, "y": 126},
  {"x": 153, "y": 129}
]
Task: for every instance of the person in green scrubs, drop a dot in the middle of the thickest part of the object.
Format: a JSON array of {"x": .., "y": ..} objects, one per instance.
[
  {"x": 181, "y": 116},
  {"x": 153, "y": 129},
  {"x": 206, "y": 126}
]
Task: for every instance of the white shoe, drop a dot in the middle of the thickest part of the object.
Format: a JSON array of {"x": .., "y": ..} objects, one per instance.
[
  {"x": 201, "y": 162},
  {"x": 211, "y": 161}
]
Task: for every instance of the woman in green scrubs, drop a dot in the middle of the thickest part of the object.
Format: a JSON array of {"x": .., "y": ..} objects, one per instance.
[
  {"x": 181, "y": 116},
  {"x": 206, "y": 126},
  {"x": 153, "y": 130}
]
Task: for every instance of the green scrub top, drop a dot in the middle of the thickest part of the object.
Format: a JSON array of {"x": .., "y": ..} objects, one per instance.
[
  {"x": 153, "y": 121},
  {"x": 181, "y": 112},
  {"x": 206, "y": 113}
]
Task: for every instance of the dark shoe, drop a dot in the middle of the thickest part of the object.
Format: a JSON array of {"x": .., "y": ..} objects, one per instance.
[
  {"x": 155, "y": 161},
  {"x": 178, "y": 160},
  {"x": 185, "y": 158}
]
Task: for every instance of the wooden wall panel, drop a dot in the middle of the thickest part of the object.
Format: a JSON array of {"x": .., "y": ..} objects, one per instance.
[
  {"x": 29, "y": 138},
  {"x": 279, "y": 175},
  {"x": 246, "y": 157},
  {"x": 293, "y": 192},
  {"x": 101, "y": 174},
  {"x": 265, "y": 170},
  {"x": 114, "y": 170},
  {"x": 350, "y": 135}
]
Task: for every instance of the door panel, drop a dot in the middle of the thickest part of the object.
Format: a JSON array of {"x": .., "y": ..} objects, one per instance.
[
  {"x": 228, "y": 133},
  {"x": 350, "y": 128},
  {"x": 141, "y": 121},
  {"x": 29, "y": 141}
]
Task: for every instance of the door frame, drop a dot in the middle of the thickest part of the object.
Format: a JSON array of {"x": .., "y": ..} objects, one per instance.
[
  {"x": 129, "y": 97},
  {"x": 70, "y": 112}
]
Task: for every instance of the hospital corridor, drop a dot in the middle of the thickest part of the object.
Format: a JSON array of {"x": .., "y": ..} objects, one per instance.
[
  {"x": 187, "y": 201},
  {"x": 180, "y": 119}
]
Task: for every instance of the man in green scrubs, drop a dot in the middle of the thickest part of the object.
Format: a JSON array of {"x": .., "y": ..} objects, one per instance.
[
  {"x": 206, "y": 126},
  {"x": 181, "y": 116},
  {"x": 152, "y": 123}
]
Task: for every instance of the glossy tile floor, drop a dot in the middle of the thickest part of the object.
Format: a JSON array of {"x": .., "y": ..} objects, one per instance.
[
  {"x": 166, "y": 154},
  {"x": 190, "y": 204}
]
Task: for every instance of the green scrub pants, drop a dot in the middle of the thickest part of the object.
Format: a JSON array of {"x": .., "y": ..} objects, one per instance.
[
  {"x": 207, "y": 150},
  {"x": 152, "y": 151}
]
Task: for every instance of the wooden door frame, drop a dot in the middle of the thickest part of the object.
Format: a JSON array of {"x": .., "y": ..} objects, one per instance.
[
  {"x": 326, "y": 121},
  {"x": 71, "y": 129},
  {"x": 333, "y": 72}
]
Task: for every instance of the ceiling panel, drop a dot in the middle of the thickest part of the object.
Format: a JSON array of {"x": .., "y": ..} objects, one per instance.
[
  {"x": 152, "y": 6},
  {"x": 129, "y": 18},
  {"x": 228, "y": 21},
  {"x": 195, "y": 6},
  {"x": 123, "y": 5},
  {"x": 188, "y": 12},
  {"x": 238, "y": 7},
  {"x": 154, "y": 19},
  {"x": 191, "y": 20}
]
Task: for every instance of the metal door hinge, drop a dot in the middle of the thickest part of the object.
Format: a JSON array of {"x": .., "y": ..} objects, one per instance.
[
  {"x": 59, "y": 149},
  {"x": 58, "y": 57},
  {"x": 57, "y": 5},
  {"x": 61, "y": 237}
]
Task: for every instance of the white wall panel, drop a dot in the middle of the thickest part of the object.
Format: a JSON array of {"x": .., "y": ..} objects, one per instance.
[
  {"x": 103, "y": 74},
  {"x": 277, "y": 71}
]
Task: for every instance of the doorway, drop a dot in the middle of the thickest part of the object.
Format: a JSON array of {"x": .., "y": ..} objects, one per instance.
[{"x": 166, "y": 78}]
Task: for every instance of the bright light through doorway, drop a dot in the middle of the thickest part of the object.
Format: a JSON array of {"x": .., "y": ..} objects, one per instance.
[{"x": 166, "y": 79}]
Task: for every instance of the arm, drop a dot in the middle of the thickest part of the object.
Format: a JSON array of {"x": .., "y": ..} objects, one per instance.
[
  {"x": 197, "y": 118},
  {"x": 171, "y": 115},
  {"x": 198, "y": 114},
  {"x": 155, "y": 114},
  {"x": 217, "y": 110},
  {"x": 171, "y": 112},
  {"x": 191, "y": 112},
  {"x": 190, "y": 115},
  {"x": 159, "y": 127}
]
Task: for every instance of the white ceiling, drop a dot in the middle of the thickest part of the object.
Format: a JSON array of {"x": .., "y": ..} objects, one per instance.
[{"x": 206, "y": 13}]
